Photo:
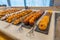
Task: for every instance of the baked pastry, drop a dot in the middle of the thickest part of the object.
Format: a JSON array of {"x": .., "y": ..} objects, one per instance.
[
  {"x": 26, "y": 20},
  {"x": 8, "y": 11},
  {"x": 33, "y": 17},
  {"x": 43, "y": 23},
  {"x": 18, "y": 15},
  {"x": 17, "y": 21}
]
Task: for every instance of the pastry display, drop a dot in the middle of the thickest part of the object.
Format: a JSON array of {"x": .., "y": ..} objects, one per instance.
[
  {"x": 33, "y": 17},
  {"x": 8, "y": 11},
  {"x": 37, "y": 20},
  {"x": 18, "y": 15}
]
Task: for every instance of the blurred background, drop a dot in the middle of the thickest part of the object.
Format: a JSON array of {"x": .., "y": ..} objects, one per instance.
[
  {"x": 37, "y": 3},
  {"x": 33, "y": 4}
]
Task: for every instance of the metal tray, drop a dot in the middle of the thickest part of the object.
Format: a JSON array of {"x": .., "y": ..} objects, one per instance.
[{"x": 47, "y": 30}]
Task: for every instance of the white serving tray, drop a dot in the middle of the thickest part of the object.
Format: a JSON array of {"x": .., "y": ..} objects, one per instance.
[{"x": 22, "y": 35}]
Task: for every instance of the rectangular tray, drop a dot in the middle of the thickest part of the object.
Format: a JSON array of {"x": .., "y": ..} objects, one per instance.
[{"x": 47, "y": 30}]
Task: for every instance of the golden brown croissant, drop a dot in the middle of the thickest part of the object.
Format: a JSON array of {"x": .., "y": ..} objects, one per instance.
[
  {"x": 43, "y": 24},
  {"x": 16, "y": 16}
]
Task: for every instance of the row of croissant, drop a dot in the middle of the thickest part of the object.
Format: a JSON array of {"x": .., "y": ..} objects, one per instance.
[{"x": 28, "y": 17}]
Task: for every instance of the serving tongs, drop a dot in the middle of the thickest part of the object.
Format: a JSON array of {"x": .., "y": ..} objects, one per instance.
[{"x": 31, "y": 32}]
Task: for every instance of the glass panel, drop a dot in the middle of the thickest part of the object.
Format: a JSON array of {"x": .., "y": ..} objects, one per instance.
[
  {"x": 17, "y": 2},
  {"x": 28, "y": 2},
  {"x": 3, "y": 2},
  {"x": 38, "y": 2}
]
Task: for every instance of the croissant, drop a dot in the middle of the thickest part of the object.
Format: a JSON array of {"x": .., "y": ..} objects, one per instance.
[
  {"x": 35, "y": 17},
  {"x": 17, "y": 16},
  {"x": 43, "y": 24},
  {"x": 17, "y": 21},
  {"x": 26, "y": 20},
  {"x": 8, "y": 11}
]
